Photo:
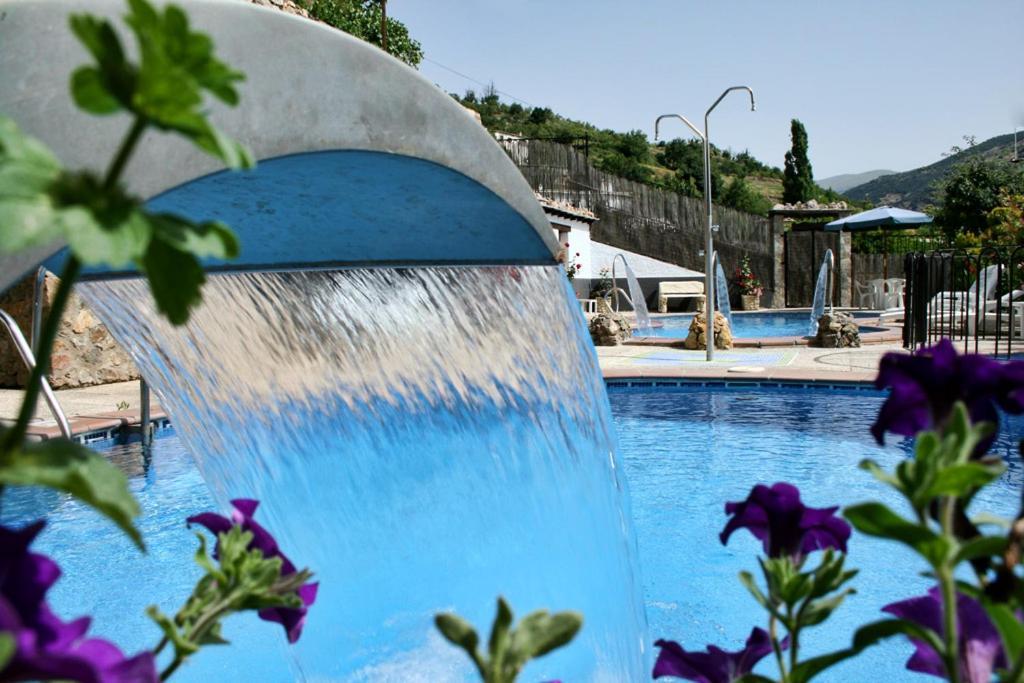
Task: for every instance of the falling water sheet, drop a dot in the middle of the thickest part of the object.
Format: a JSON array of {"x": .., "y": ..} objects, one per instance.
[{"x": 424, "y": 439}]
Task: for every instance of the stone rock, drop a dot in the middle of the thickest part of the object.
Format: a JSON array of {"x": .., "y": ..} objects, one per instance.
[
  {"x": 698, "y": 338},
  {"x": 609, "y": 329},
  {"x": 837, "y": 331},
  {"x": 84, "y": 353}
]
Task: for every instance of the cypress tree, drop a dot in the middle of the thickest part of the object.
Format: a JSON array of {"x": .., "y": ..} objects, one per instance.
[{"x": 797, "y": 177}]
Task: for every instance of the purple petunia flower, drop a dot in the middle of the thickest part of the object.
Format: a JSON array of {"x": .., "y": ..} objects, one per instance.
[
  {"x": 980, "y": 648},
  {"x": 46, "y": 648},
  {"x": 787, "y": 527},
  {"x": 291, "y": 618},
  {"x": 715, "y": 665},
  {"x": 925, "y": 386}
]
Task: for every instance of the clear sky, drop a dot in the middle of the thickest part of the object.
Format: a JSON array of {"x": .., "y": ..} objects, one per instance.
[{"x": 878, "y": 83}]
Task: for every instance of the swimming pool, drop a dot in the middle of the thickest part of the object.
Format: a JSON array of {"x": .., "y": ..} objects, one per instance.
[
  {"x": 747, "y": 325},
  {"x": 685, "y": 450}
]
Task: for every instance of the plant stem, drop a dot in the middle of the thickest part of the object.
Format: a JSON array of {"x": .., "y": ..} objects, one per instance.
[
  {"x": 172, "y": 667},
  {"x": 773, "y": 636},
  {"x": 124, "y": 153},
  {"x": 14, "y": 437},
  {"x": 794, "y": 638},
  {"x": 948, "y": 584}
]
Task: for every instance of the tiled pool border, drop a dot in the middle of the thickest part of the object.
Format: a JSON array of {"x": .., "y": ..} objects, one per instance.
[
  {"x": 737, "y": 383},
  {"x": 125, "y": 425}
]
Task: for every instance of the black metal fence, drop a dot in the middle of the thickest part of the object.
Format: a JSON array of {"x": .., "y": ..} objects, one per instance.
[
  {"x": 975, "y": 299},
  {"x": 891, "y": 242}
]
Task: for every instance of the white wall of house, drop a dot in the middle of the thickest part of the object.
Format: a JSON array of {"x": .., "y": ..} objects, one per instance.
[{"x": 577, "y": 234}]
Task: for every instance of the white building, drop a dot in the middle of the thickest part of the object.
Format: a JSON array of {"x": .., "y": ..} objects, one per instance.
[{"x": 572, "y": 224}]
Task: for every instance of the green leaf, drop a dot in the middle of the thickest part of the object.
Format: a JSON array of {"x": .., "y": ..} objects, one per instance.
[
  {"x": 90, "y": 92},
  {"x": 754, "y": 678},
  {"x": 818, "y": 611},
  {"x": 1010, "y": 628},
  {"x": 177, "y": 66},
  {"x": 498, "y": 642},
  {"x": 980, "y": 546},
  {"x": 747, "y": 579},
  {"x": 7, "y": 648},
  {"x": 539, "y": 633},
  {"x": 123, "y": 239},
  {"x": 878, "y": 473},
  {"x": 203, "y": 560},
  {"x": 964, "y": 478},
  {"x": 99, "y": 38},
  {"x": 211, "y": 239},
  {"x": 174, "y": 279},
  {"x": 27, "y": 170},
  {"x": 458, "y": 631},
  {"x": 69, "y": 467},
  {"x": 876, "y": 519},
  {"x": 174, "y": 635}
]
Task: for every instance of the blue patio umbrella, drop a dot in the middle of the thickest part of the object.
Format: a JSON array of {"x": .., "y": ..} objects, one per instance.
[{"x": 881, "y": 218}]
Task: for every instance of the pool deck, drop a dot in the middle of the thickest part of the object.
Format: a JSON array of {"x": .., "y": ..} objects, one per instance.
[
  {"x": 98, "y": 412},
  {"x": 777, "y": 363}
]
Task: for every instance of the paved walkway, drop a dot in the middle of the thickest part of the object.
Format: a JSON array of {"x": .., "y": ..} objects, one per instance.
[
  {"x": 789, "y": 363},
  {"x": 89, "y": 409}
]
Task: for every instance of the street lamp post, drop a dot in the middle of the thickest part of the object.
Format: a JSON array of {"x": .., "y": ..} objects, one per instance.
[{"x": 709, "y": 241}]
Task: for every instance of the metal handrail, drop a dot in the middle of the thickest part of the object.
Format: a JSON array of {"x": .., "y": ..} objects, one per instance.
[{"x": 25, "y": 351}]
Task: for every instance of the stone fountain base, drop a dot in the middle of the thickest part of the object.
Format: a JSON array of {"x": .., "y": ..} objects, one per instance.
[
  {"x": 837, "y": 331},
  {"x": 698, "y": 338}
]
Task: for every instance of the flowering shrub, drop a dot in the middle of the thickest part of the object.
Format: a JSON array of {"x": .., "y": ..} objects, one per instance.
[
  {"x": 745, "y": 281},
  {"x": 571, "y": 267},
  {"x": 963, "y": 630}
]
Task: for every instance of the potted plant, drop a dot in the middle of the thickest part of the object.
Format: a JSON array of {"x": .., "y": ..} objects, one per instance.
[{"x": 750, "y": 287}]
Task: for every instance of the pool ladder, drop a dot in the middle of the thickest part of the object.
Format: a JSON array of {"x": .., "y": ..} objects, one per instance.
[
  {"x": 27, "y": 353},
  {"x": 29, "y": 359}
]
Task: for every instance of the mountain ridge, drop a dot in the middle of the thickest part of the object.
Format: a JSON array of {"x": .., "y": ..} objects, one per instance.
[
  {"x": 916, "y": 188},
  {"x": 844, "y": 181}
]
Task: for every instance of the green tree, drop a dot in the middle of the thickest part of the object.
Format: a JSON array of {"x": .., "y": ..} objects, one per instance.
[
  {"x": 634, "y": 145},
  {"x": 797, "y": 176},
  {"x": 741, "y": 195},
  {"x": 971, "y": 191},
  {"x": 540, "y": 115},
  {"x": 618, "y": 164},
  {"x": 362, "y": 19}
]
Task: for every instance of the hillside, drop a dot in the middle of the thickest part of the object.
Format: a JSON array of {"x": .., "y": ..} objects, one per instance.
[
  {"x": 916, "y": 189},
  {"x": 843, "y": 182},
  {"x": 739, "y": 180}
]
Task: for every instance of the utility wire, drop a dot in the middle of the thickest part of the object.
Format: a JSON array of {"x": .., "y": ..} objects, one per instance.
[{"x": 478, "y": 82}]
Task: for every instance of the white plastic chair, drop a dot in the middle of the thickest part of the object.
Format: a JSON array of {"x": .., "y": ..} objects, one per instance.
[
  {"x": 894, "y": 288},
  {"x": 866, "y": 294}
]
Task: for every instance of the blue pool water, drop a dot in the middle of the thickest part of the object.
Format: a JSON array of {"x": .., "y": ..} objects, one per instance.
[
  {"x": 685, "y": 451},
  {"x": 746, "y": 325}
]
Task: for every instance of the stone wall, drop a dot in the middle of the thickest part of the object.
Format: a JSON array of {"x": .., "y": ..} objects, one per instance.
[
  {"x": 84, "y": 353},
  {"x": 656, "y": 223}
]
